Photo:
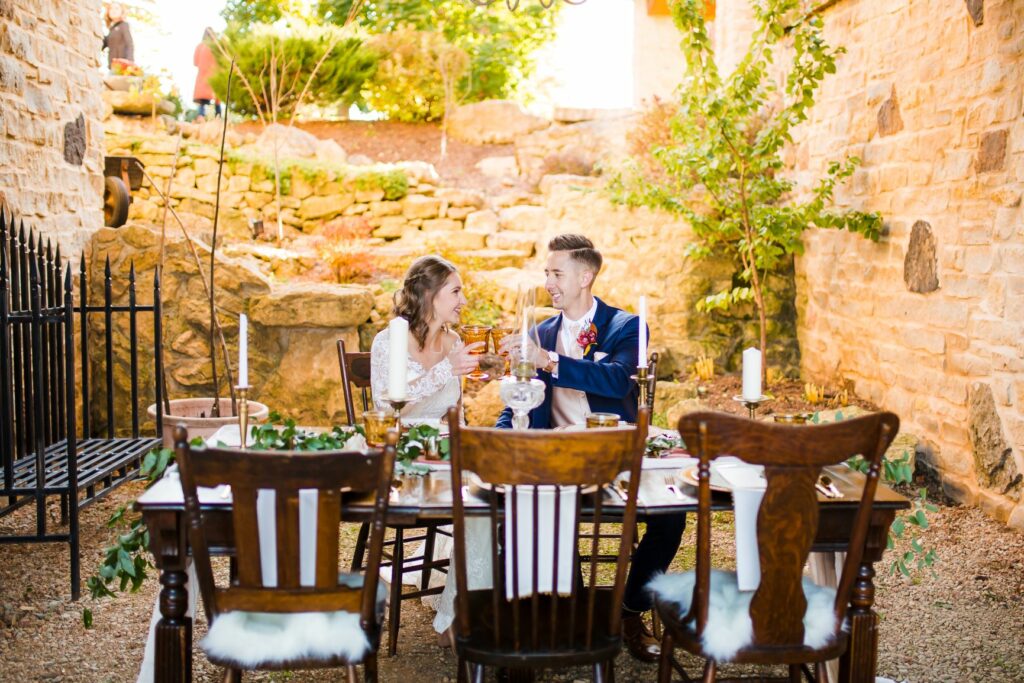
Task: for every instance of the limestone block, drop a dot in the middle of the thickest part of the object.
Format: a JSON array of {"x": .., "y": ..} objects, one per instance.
[
  {"x": 207, "y": 183},
  {"x": 300, "y": 186},
  {"x": 459, "y": 197},
  {"x": 356, "y": 210},
  {"x": 920, "y": 267},
  {"x": 391, "y": 227},
  {"x": 330, "y": 152},
  {"x": 454, "y": 239},
  {"x": 493, "y": 259},
  {"x": 483, "y": 407},
  {"x": 416, "y": 206},
  {"x": 523, "y": 242},
  {"x": 286, "y": 142},
  {"x": 492, "y": 122},
  {"x": 498, "y": 167},
  {"x": 386, "y": 208},
  {"x": 330, "y": 189},
  {"x": 482, "y": 221},
  {"x": 306, "y": 304},
  {"x": 447, "y": 224},
  {"x": 205, "y": 166},
  {"x": 994, "y": 465},
  {"x": 369, "y": 195},
  {"x": 257, "y": 200},
  {"x": 509, "y": 281},
  {"x": 992, "y": 151},
  {"x": 527, "y": 219},
  {"x": 324, "y": 207},
  {"x": 239, "y": 183},
  {"x": 459, "y": 213}
]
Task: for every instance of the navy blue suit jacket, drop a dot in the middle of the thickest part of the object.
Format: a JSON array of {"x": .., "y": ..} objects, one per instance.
[{"x": 606, "y": 382}]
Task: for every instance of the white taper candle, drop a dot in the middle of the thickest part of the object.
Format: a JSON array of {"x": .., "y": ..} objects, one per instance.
[
  {"x": 641, "y": 356},
  {"x": 752, "y": 374},
  {"x": 398, "y": 358},
  {"x": 243, "y": 351}
]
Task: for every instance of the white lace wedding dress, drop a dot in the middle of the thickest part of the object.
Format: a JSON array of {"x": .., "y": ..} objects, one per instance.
[{"x": 431, "y": 393}]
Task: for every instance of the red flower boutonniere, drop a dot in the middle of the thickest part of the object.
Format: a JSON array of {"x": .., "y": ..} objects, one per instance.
[{"x": 587, "y": 338}]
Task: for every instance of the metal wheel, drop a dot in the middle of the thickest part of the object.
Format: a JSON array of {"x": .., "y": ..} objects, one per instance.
[{"x": 116, "y": 201}]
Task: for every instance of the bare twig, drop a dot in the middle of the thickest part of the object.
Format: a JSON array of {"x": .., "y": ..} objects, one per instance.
[
  {"x": 195, "y": 257},
  {"x": 160, "y": 262},
  {"x": 215, "y": 409}
]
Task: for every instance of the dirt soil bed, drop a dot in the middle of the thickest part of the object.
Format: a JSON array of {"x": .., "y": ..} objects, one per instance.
[
  {"x": 965, "y": 623},
  {"x": 391, "y": 141}
]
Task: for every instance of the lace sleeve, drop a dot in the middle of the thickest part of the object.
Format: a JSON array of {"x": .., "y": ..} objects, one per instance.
[
  {"x": 420, "y": 385},
  {"x": 379, "y": 368}
]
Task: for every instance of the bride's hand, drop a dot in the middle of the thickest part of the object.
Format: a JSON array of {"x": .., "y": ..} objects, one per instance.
[{"x": 462, "y": 359}]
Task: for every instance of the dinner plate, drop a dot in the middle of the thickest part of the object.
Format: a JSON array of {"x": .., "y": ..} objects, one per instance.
[
  {"x": 689, "y": 477},
  {"x": 478, "y": 486}
]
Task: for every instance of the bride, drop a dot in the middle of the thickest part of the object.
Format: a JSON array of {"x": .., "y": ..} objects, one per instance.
[{"x": 431, "y": 299}]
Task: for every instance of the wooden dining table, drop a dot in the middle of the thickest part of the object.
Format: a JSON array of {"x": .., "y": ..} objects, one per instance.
[{"x": 419, "y": 498}]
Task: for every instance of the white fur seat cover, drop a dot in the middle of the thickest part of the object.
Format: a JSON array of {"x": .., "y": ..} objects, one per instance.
[
  {"x": 251, "y": 639},
  {"x": 729, "y": 628}
]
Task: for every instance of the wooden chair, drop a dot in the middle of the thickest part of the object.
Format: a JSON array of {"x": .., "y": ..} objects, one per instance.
[
  {"x": 793, "y": 456},
  {"x": 355, "y": 371},
  {"x": 609, "y": 557},
  {"x": 254, "y": 625},
  {"x": 539, "y": 631}
]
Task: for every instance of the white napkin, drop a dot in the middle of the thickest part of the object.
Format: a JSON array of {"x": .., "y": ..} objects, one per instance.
[
  {"x": 748, "y": 486},
  {"x": 565, "y": 572}
]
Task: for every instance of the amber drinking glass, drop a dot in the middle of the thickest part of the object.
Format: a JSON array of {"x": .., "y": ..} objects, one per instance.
[
  {"x": 497, "y": 334},
  {"x": 377, "y": 423},
  {"x": 598, "y": 420},
  {"x": 472, "y": 334}
]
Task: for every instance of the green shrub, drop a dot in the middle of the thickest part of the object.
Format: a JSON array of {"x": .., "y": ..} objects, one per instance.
[
  {"x": 394, "y": 183},
  {"x": 290, "y": 54},
  {"x": 408, "y": 83},
  {"x": 499, "y": 44}
]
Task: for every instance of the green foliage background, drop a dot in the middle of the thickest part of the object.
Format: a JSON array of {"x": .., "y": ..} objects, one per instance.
[
  {"x": 498, "y": 44},
  {"x": 298, "y": 49}
]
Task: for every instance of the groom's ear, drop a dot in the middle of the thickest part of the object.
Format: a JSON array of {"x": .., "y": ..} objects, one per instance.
[{"x": 586, "y": 277}]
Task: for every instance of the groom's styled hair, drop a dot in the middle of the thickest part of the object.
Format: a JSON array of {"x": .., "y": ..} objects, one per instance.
[{"x": 580, "y": 249}]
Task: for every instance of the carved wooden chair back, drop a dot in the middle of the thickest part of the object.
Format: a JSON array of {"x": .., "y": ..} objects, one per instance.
[
  {"x": 355, "y": 370},
  {"x": 285, "y": 473},
  {"x": 787, "y": 522},
  {"x": 543, "y": 629}
]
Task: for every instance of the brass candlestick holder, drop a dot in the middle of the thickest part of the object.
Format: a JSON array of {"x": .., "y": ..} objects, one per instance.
[
  {"x": 397, "y": 404},
  {"x": 644, "y": 382},
  {"x": 751, "y": 404},
  {"x": 243, "y": 415}
]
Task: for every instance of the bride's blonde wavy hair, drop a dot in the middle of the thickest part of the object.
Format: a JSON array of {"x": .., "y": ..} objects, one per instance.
[{"x": 415, "y": 300}]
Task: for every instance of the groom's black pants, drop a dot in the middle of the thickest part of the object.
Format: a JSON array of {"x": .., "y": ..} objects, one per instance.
[{"x": 654, "y": 554}]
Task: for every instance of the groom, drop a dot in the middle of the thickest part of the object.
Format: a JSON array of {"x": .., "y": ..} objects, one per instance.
[{"x": 586, "y": 357}]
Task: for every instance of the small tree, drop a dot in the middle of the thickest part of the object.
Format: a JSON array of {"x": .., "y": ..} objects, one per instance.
[{"x": 722, "y": 166}]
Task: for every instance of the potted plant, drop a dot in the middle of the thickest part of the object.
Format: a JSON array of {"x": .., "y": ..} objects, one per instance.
[{"x": 203, "y": 416}]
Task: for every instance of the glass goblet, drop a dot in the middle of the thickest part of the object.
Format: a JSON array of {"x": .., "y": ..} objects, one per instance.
[
  {"x": 377, "y": 423},
  {"x": 471, "y": 334},
  {"x": 497, "y": 334}
]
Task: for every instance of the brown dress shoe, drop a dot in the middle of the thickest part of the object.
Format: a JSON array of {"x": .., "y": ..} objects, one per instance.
[{"x": 640, "y": 642}]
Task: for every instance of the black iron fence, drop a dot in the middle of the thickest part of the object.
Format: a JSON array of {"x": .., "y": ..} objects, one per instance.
[{"x": 55, "y": 442}]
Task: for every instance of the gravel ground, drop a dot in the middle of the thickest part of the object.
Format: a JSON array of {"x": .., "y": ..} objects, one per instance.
[{"x": 966, "y": 623}]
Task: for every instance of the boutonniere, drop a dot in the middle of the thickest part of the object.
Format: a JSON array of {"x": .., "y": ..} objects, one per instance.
[{"x": 587, "y": 338}]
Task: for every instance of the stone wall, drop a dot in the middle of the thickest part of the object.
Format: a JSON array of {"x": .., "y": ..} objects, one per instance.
[
  {"x": 293, "y": 360},
  {"x": 929, "y": 322},
  {"x": 51, "y": 138}
]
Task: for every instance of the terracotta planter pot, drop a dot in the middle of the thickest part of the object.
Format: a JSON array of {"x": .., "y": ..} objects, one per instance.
[{"x": 189, "y": 412}]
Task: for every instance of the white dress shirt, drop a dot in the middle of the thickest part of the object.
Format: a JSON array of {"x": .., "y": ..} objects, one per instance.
[{"x": 570, "y": 406}]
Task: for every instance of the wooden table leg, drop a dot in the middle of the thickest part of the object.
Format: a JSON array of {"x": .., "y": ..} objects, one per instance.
[
  {"x": 173, "y": 661},
  {"x": 860, "y": 661},
  {"x": 174, "y": 630}
]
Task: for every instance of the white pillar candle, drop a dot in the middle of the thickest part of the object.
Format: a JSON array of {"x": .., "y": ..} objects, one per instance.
[
  {"x": 243, "y": 351},
  {"x": 641, "y": 355},
  {"x": 752, "y": 374},
  {"x": 398, "y": 358}
]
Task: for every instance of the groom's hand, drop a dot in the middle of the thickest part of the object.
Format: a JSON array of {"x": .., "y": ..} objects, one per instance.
[
  {"x": 512, "y": 344},
  {"x": 463, "y": 360}
]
